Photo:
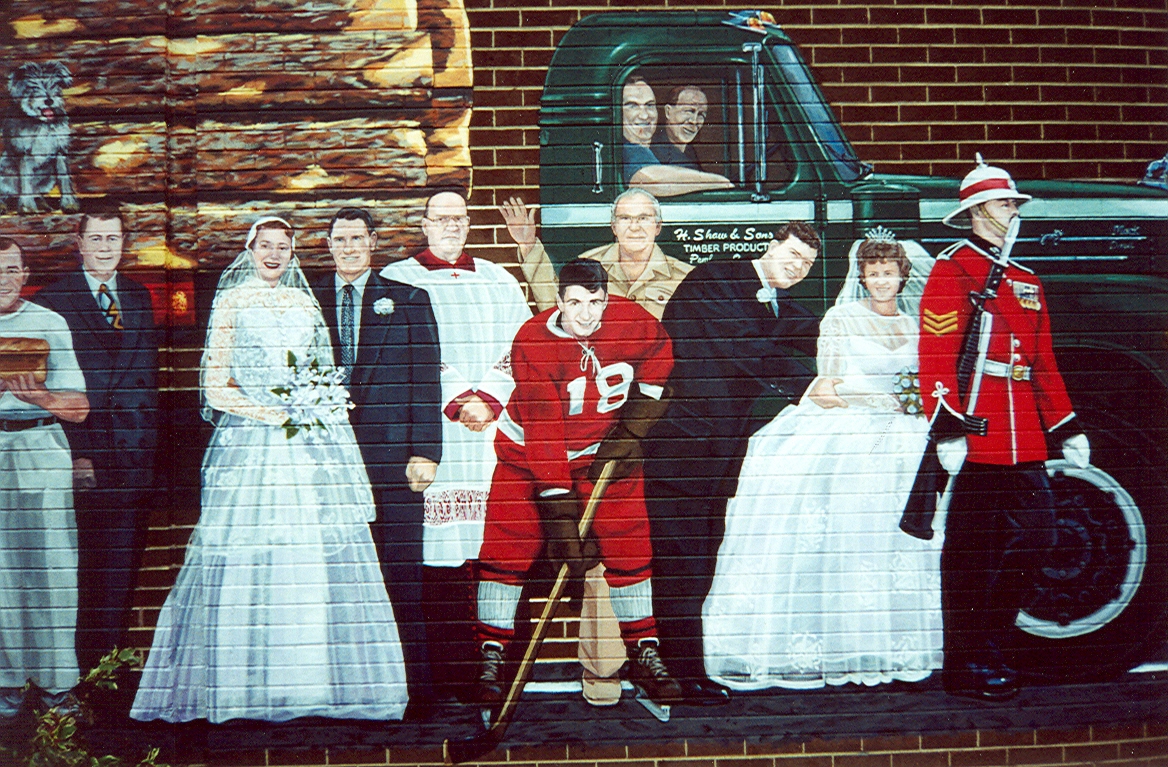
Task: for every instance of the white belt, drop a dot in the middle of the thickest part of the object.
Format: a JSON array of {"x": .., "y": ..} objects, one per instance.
[
  {"x": 1006, "y": 370},
  {"x": 514, "y": 432}
]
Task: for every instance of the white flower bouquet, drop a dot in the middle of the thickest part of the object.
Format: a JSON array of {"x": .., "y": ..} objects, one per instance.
[{"x": 313, "y": 396}]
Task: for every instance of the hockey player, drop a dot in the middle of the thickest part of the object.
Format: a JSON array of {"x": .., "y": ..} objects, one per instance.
[
  {"x": 589, "y": 377},
  {"x": 989, "y": 372}
]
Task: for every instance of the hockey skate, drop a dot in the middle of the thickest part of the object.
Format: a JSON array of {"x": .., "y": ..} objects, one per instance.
[
  {"x": 489, "y": 692},
  {"x": 656, "y": 690}
]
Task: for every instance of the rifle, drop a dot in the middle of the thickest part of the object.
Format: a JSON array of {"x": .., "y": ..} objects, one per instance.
[
  {"x": 917, "y": 519},
  {"x": 971, "y": 360}
]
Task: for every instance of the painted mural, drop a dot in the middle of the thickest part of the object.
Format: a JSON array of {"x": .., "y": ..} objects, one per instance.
[{"x": 767, "y": 419}]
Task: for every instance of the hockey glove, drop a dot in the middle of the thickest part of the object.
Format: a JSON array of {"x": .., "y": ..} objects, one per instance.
[
  {"x": 560, "y": 517},
  {"x": 622, "y": 446}
]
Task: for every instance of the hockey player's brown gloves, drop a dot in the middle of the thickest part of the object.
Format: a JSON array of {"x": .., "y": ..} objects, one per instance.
[
  {"x": 560, "y": 516},
  {"x": 623, "y": 443}
]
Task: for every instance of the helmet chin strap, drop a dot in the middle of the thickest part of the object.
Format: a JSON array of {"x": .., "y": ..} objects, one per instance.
[{"x": 996, "y": 224}]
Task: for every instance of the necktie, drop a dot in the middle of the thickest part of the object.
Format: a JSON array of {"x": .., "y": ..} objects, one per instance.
[
  {"x": 348, "y": 342},
  {"x": 108, "y": 305}
]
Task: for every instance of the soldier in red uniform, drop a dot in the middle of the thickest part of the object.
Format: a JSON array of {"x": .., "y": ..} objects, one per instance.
[
  {"x": 997, "y": 401},
  {"x": 589, "y": 376}
]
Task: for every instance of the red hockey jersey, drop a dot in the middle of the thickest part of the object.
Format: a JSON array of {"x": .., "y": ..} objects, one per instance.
[{"x": 568, "y": 392}]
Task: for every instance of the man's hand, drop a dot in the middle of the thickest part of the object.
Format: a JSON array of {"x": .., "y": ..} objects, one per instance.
[
  {"x": 623, "y": 448},
  {"x": 26, "y": 389},
  {"x": 83, "y": 476},
  {"x": 72, "y": 406},
  {"x": 420, "y": 473},
  {"x": 951, "y": 454},
  {"x": 822, "y": 393},
  {"x": 520, "y": 221},
  {"x": 475, "y": 414}
]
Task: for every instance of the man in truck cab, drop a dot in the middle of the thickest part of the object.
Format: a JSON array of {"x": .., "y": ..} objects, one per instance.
[
  {"x": 642, "y": 168},
  {"x": 685, "y": 111}
]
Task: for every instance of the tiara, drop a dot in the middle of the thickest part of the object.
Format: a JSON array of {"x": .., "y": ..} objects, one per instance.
[{"x": 880, "y": 234}]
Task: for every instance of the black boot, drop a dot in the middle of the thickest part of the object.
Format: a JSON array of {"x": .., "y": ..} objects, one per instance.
[{"x": 490, "y": 686}]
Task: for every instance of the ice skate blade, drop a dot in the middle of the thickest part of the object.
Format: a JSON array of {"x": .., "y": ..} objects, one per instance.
[{"x": 658, "y": 710}]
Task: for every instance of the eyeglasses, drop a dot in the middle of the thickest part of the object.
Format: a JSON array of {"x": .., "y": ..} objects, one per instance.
[
  {"x": 639, "y": 220},
  {"x": 445, "y": 221}
]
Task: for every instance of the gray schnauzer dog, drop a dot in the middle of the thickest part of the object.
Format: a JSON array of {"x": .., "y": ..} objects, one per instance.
[{"x": 36, "y": 139}]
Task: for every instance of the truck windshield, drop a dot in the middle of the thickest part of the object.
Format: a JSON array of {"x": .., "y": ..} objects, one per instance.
[{"x": 819, "y": 116}]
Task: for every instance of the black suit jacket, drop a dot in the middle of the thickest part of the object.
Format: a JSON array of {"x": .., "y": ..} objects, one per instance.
[
  {"x": 729, "y": 350},
  {"x": 121, "y": 379},
  {"x": 395, "y": 379}
]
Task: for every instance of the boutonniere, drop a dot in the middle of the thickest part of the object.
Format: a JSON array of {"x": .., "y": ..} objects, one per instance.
[
  {"x": 383, "y": 306},
  {"x": 766, "y": 295}
]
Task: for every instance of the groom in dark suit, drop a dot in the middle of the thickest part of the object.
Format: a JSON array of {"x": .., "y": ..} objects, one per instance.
[
  {"x": 112, "y": 322},
  {"x": 734, "y": 329},
  {"x": 383, "y": 333}
]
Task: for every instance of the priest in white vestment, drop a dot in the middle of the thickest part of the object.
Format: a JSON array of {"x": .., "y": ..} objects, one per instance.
[{"x": 479, "y": 307}]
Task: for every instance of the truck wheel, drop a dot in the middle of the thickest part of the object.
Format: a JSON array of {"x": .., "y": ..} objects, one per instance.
[{"x": 1098, "y": 606}]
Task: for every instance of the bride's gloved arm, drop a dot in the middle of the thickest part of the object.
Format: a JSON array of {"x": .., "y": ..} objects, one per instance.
[
  {"x": 830, "y": 364},
  {"x": 854, "y": 389},
  {"x": 219, "y": 388}
]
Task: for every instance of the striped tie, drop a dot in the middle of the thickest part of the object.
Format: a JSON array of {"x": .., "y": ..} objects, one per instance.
[
  {"x": 348, "y": 342},
  {"x": 108, "y": 305}
]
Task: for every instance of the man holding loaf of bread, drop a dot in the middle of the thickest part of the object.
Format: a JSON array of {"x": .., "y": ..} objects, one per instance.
[{"x": 41, "y": 385}]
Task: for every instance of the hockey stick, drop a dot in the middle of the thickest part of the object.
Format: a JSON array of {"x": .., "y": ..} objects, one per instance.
[{"x": 459, "y": 751}]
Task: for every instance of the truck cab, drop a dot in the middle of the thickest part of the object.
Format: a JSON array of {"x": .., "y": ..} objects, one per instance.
[{"x": 1101, "y": 251}]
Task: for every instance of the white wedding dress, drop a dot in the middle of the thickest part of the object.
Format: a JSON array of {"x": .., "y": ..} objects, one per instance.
[
  {"x": 815, "y": 583},
  {"x": 280, "y": 610}
]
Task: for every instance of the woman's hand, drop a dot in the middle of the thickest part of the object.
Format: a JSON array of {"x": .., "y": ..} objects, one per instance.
[{"x": 822, "y": 393}]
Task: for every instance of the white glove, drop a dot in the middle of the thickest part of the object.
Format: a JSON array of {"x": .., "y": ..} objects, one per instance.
[
  {"x": 951, "y": 453},
  {"x": 1077, "y": 450}
]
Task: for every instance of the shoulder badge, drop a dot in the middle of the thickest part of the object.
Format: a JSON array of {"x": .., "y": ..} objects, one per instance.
[
  {"x": 1027, "y": 295},
  {"x": 939, "y": 324}
]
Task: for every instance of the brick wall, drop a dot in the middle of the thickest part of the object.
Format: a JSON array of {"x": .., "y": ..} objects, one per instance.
[
  {"x": 1053, "y": 90},
  {"x": 1068, "y": 89},
  {"x": 1057, "y": 90},
  {"x": 1099, "y": 746}
]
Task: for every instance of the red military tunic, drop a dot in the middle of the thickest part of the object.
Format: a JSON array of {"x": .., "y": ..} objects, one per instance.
[{"x": 1022, "y": 394}]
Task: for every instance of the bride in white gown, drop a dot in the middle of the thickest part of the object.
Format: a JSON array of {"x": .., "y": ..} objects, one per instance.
[
  {"x": 279, "y": 610},
  {"x": 815, "y": 583}
]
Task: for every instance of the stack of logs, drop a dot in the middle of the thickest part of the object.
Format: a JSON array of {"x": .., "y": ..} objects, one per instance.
[{"x": 198, "y": 116}]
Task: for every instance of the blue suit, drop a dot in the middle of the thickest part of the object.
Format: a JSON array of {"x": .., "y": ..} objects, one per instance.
[
  {"x": 120, "y": 437},
  {"x": 395, "y": 389}
]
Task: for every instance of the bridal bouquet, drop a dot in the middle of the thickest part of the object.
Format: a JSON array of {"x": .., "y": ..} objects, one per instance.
[
  {"x": 312, "y": 396},
  {"x": 907, "y": 389}
]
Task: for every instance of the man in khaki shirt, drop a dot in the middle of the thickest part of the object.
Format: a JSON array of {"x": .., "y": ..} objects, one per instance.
[{"x": 637, "y": 268}]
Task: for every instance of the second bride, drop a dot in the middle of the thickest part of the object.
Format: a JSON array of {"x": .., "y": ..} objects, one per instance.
[{"x": 815, "y": 583}]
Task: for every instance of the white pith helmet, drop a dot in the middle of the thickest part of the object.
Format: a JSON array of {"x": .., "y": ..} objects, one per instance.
[{"x": 983, "y": 183}]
